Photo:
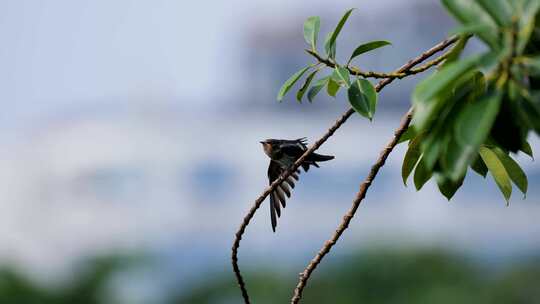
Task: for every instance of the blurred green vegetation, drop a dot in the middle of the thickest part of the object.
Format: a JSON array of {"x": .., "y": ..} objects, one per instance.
[
  {"x": 88, "y": 286},
  {"x": 383, "y": 276},
  {"x": 386, "y": 277}
]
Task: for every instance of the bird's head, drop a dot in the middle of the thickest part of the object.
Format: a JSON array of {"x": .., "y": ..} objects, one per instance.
[{"x": 270, "y": 146}]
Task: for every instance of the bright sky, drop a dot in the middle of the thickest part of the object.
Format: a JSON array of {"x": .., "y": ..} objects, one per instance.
[{"x": 60, "y": 54}]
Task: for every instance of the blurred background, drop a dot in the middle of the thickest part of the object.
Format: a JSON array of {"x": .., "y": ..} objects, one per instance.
[{"x": 129, "y": 153}]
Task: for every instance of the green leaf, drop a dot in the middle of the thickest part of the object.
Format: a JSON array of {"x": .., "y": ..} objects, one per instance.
[
  {"x": 421, "y": 174},
  {"x": 532, "y": 64},
  {"x": 290, "y": 82},
  {"x": 366, "y": 47},
  {"x": 499, "y": 10},
  {"x": 457, "y": 159},
  {"x": 332, "y": 87},
  {"x": 471, "y": 129},
  {"x": 409, "y": 134},
  {"x": 331, "y": 42},
  {"x": 367, "y": 88},
  {"x": 475, "y": 29},
  {"x": 530, "y": 112},
  {"x": 305, "y": 86},
  {"x": 468, "y": 12},
  {"x": 314, "y": 90},
  {"x": 433, "y": 146},
  {"x": 490, "y": 60},
  {"x": 448, "y": 187},
  {"x": 479, "y": 86},
  {"x": 343, "y": 75},
  {"x": 526, "y": 22},
  {"x": 441, "y": 80},
  {"x": 430, "y": 94},
  {"x": 311, "y": 31},
  {"x": 360, "y": 102},
  {"x": 513, "y": 90},
  {"x": 479, "y": 167},
  {"x": 439, "y": 144},
  {"x": 475, "y": 121},
  {"x": 513, "y": 169},
  {"x": 330, "y": 49},
  {"x": 497, "y": 170},
  {"x": 411, "y": 158},
  {"x": 527, "y": 150},
  {"x": 456, "y": 51},
  {"x": 510, "y": 128}
]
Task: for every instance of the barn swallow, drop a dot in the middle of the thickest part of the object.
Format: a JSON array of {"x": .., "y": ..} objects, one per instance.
[{"x": 283, "y": 153}]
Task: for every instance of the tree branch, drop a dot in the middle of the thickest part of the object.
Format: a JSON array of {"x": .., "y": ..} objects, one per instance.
[
  {"x": 370, "y": 74},
  {"x": 406, "y": 119},
  {"x": 238, "y": 236},
  {"x": 304, "y": 276}
]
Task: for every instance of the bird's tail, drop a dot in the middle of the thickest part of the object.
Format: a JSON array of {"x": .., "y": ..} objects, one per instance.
[
  {"x": 319, "y": 157},
  {"x": 313, "y": 158}
]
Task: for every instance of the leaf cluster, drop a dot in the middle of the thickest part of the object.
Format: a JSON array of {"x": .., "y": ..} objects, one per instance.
[
  {"x": 361, "y": 93},
  {"x": 476, "y": 111}
]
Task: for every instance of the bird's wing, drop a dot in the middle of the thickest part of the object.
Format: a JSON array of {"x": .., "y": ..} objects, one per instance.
[
  {"x": 273, "y": 213},
  {"x": 302, "y": 141},
  {"x": 295, "y": 150},
  {"x": 277, "y": 197}
]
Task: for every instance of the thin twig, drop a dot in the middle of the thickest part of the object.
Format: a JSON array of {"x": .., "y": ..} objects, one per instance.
[
  {"x": 356, "y": 71},
  {"x": 238, "y": 236},
  {"x": 304, "y": 276}
]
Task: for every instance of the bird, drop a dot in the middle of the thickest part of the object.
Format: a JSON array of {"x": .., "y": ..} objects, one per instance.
[{"x": 283, "y": 153}]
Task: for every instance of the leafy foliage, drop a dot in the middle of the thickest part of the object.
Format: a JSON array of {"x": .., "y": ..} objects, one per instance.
[
  {"x": 361, "y": 93},
  {"x": 89, "y": 285},
  {"x": 387, "y": 276},
  {"x": 474, "y": 112}
]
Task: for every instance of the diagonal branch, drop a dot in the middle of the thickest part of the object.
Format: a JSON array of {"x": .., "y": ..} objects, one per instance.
[
  {"x": 304, "y": 276},
  {"x": 238, "y": 236},
  {"x": 405, "y": 121}
]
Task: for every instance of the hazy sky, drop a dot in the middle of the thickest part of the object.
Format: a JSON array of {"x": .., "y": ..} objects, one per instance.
[{"x": 63, "y": 54}]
